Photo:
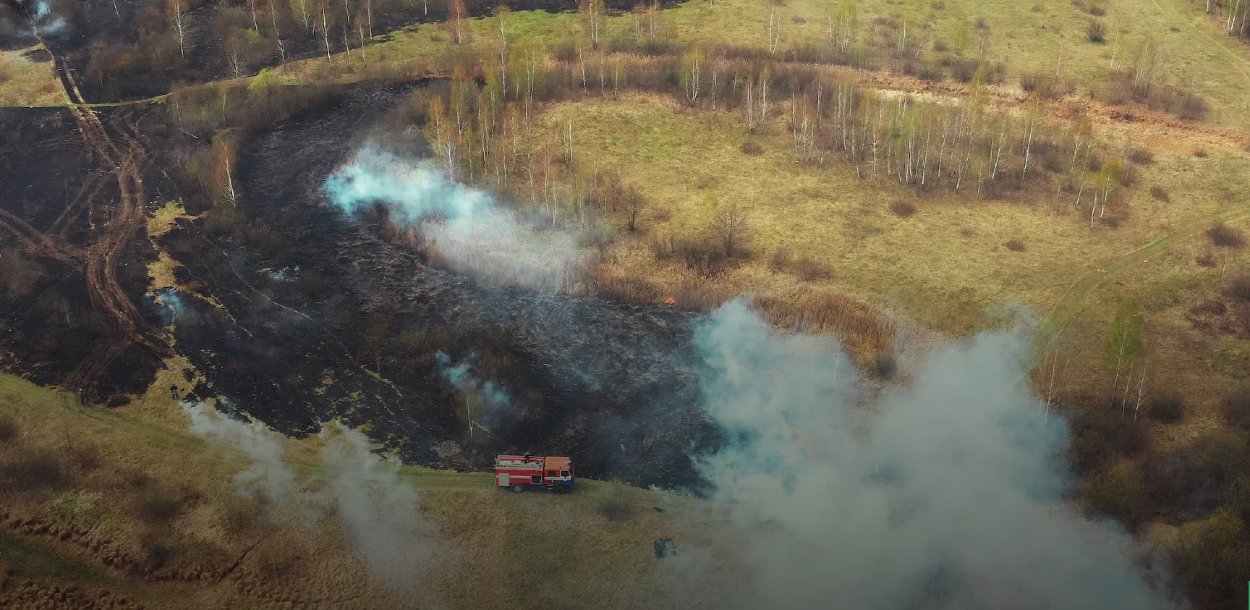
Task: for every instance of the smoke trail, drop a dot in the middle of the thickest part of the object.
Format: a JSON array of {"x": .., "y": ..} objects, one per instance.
[
  {"x": 380, "y": 513},
  {"x": 267, "y": 476},
  {"x": 945, "y": 494},
  {"x": 464, "y": 225},
  {"x": 382, "y": 517}
]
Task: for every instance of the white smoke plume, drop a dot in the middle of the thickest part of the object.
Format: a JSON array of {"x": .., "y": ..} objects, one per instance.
[
  {"x": 380, "y": 513},
  {"x": 946, "y": 493},
  {"x": 266, "y": 476},
  {"x": 465, "y": 226},
  {"x": 382, "y": 516}
]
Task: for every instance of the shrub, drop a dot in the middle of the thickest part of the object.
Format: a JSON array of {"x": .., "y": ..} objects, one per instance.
[
  {"x": 1096, "y": 10},
  {"x": 1236, "y": 408},
  {"x": 1201, "y": 153},
  {"x": 1120, "y": 491},
  {"x": 34, "y": 468},
  {"x": 903, "y": 208},
  {"x": 1015, "y": 245},
  {"x": 1167, "y": 408},
  {"x": 158, "y": 505},
  {"x": 1096, "y": 31},
  {"x": 752, "y": 148},
  {"x": 8, "y": 428},
  {"x": 1225, "y": 236},
  {"x": 810, "y": 270},
  {"x": 617, "y": 506},
  {"x": 1240, "y": 287},
  {"x": 780, "y": 260},
  {"x": 1099, "y": 433},
  {"x": 1206, "y": 259},
  {"x": 884, "y": 366},
  {"x": 1141, "y": 156},
  {"x": 1160, "y": 193}
]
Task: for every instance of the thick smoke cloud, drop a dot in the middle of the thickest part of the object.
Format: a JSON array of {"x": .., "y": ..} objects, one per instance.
[
  {"x": 464, "y": 225},
  {"x": 943, "y": 493},
  {"x": 380, "y": 513}
]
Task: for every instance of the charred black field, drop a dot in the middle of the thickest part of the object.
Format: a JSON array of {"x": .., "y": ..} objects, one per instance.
[
  {"x": 863, "y": 304},
  {"x": 307, "y": 315}
]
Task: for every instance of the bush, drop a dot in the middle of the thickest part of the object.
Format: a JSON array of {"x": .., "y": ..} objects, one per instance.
[
  {"x": 1096, "y": 10},
  {"x": 1141, "y": 156},
  {"x": 1120, "y": 491},
  {"x": 884, "y": 366},
  {"x": 1160, "y": 194},
  {"x": 1015, "y": 245},
  {"x": 1225, "y": 236},
  {"x": 752, "y": 148},
  {"x": 34, "y": 469},
  {"x": 1096, "y": 31},
  {"x": 1236, "y": 408},
  {"x": 1240, "y": 287},
  {"x": 811, "y": 270},
  {"x": 1098, "y": 434},
  {"x": 1206, "y": 259},
  {"x": 903, "y": 208},
  {"x": 8, "y": 428},
  {"x": 1167, "y": 408},
  {"x": 157, "y": 505}
]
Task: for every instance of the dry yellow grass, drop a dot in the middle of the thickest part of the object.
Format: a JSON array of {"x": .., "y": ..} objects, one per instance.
[
  {"x": 496, "y": 549},
  {"x": 27, "y": 83},
  {"x": 947, "y": 266}
]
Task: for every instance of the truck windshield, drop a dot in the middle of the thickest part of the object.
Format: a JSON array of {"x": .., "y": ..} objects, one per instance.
[{"x": 564, "y": 473}]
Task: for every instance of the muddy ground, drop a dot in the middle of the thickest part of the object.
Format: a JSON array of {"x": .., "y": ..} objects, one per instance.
[
  {"x": 56, "y": 196},
  {"x": 337, "y": 321}
]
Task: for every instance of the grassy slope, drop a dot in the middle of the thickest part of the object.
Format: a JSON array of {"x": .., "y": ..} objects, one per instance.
[
  {"x": 492, "y": 542},
  {"x": 26, "y": 83},
  {"x": 1195, "y": 54},
  {"x": 945, "y": 266}
]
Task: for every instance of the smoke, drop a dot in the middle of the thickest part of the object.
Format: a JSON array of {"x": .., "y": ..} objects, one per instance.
[
  {"x": 492, "y": 401},
  {"x": 944, "y": 493},
  {"x": 266, "y": 476},
  {"x": 379, "y": 512},
  {"x": 382, "y": 516},
  {"x": 465, "y": 226}
]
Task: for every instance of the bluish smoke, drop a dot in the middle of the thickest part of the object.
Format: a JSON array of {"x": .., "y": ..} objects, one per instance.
[
  {"x": 412, "y": 191},
  {"x": 467, "y": 228},
  {"x": 494, "y": 399}
]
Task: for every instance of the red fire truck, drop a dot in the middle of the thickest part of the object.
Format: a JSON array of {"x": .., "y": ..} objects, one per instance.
[{"x": 522, "y": 472}]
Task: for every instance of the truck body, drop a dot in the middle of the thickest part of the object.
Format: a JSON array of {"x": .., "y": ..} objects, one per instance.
[{"x": 525, "y": 472}]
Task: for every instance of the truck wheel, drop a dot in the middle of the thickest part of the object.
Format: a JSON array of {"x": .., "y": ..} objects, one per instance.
[{"x": 517, "y": 488}]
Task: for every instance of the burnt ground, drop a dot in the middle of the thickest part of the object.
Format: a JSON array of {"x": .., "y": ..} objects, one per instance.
[
  {"x": 349, "y": 328},
  {"x": 56, "y": 197}
]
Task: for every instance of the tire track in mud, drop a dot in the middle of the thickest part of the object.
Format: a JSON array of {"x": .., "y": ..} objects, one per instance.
[{"x": 126, "y": 161}]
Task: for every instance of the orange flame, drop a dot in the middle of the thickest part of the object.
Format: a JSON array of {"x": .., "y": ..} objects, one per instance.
[{"x": 670, "y": 300}]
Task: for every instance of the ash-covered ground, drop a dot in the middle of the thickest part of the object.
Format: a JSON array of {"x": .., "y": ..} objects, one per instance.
[{"x": 324, "y": 317}]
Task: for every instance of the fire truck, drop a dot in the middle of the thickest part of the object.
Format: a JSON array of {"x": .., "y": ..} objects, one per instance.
[{"x": 522, "y": 472}]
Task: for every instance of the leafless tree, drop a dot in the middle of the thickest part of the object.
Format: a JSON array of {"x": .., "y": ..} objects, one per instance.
[
  {"x": 305, "y": 16},
  {"x": 729, "y": 226},
  {"x": 774, "y": 30},
  {"x": 178, "y": 23}
]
